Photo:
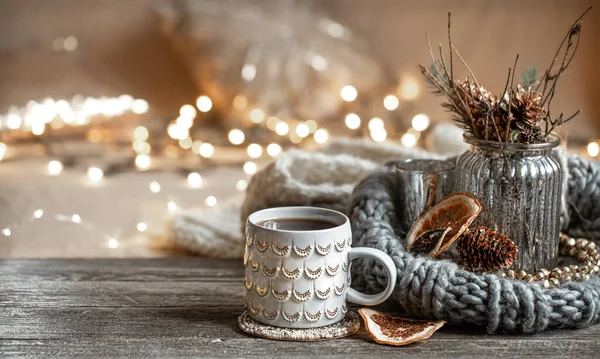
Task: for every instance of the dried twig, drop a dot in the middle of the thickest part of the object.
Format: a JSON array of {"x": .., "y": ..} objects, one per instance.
[
  {"x": 559, "y": 121},
  {"x": 543, "y": 79},
  {"x": 465, "y": 65},
  {"x": 550, "y": 79},
  {"x": 517, "y": 114},
  {"x": 450, "y": 47},
  {"x": 512, "y": 82}
]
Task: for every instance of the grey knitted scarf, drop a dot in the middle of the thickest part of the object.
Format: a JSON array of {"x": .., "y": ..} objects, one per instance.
[{"x": 439, "y": 289}]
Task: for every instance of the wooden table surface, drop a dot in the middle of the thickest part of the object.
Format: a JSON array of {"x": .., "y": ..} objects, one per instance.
[{"x": 175, "y": 307}]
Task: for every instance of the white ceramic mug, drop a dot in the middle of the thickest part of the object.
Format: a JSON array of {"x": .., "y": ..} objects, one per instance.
[{"x": 301, "y": 279}]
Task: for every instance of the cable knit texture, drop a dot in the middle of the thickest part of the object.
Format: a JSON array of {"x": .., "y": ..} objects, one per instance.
[{"x": 440, "y": 290}]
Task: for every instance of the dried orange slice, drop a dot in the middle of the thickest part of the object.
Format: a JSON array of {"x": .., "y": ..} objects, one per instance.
[
  {"x": 385, "y": 329},
  {"x": 456, "y": 211}
]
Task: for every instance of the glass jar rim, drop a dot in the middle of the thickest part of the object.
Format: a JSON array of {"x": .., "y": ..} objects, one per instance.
[
  {"x": 553, "y": 141},
  {"x": 406, "y": 166}
]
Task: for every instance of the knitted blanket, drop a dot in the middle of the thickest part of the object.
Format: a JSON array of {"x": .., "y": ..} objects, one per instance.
[{"x": 439, "y": 289}]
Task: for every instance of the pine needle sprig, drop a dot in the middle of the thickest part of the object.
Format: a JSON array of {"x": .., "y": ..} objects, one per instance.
[{"x": 530, "y": 77}]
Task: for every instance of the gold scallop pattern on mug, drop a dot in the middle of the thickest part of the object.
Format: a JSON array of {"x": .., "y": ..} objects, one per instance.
[
  {"x": 339, "y": 246},
  {"x": 331, "y": 313},
  {"x": 249, "y": 240},
  {"x": 339, "y": 290},
  {"x": 324, "y": 250},
  {"x": 248, "y": 283},
  {"x": 261, "y": 291},
  {"x": 270, "y": 272},
  {"x": 332, "y": 269},
  {"x": 262, "y": 247},
  {"x": 280, "y": 251},
  {"x": 254, "y": 266},
  {"x": 313, "y": 317},
  {"x": 281, "y": 296},
  {"x": 246, "y": 256},
  {"x": 323, "y": 294},
  {"x": 290, "y": 317},
  {"x": 270, "y": 315},
  {"x": 303, "y": 252},
  {"x": 291, "y": 274},
  {"x": 344, "y": 266},
  {"x": 313, "y": 274},
  {"x": 302, "y": 296},
  {"x": 254, "y": 310}
]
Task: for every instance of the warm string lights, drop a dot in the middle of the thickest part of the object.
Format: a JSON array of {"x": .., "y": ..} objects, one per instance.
[
  {"x": 408, "y": 90},
  {"x": 79, "y": 111},
  {"x": 255, "y": 150},
  {"x": 377, "y": 129},
  {"x": 420, "y": 122},
  {"x": 38, "y": 117},
  {"x": 348, "y": 93},
  {"x": 296, "y": 131},
  {"x": 273, "y": 150},
  {"x": 391, "y": 102},
  {"x": 34, "y": 117},
  {"x": 593, "y": 149},
  {"x": 55, "y": 167},
  {"x": 142, "y": 162},
  {"x": 141, "y": 227},
  {"x": 155, "y": 187},
  {"x": 206, "y": 150},
  {"x": 352, "y": 121},
  {"x": 236, "y": 137},
  {"x": 250, "y": 168},
  {"x": 282, "y": 128},
  {"x": 95, "y": 174},
  {"x": 204, "y": 103},
  {"x": 321, "y": 136},
  {"x": 194, "y": 180}
]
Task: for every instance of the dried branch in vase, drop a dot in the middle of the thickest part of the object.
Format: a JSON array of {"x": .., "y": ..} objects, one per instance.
[{"x": 518, "y": 115}]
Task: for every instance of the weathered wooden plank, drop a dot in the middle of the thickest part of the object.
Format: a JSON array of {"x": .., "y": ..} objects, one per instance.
[
  {"x": 122, "y": 270},
  {"x": 213, "y": 331},
  {"x": 189, "y": 307},
  {"x": 120, "y": 283},
  {"x": 120, "y": 294},
  {"x": 342, "y": 348}
]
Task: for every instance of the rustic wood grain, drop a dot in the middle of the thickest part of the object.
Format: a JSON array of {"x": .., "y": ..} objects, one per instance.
[{"x": 176, "y": 307}]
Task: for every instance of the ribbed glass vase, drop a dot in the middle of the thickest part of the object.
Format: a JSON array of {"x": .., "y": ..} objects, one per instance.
[{"x": 519, "y": 187}]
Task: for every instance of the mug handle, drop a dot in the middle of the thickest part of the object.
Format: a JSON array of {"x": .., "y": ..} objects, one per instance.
[{"x": 357, "y": 297}]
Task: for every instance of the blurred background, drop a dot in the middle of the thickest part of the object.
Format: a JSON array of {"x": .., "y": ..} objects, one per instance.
[{"x": 115, "y": 114}]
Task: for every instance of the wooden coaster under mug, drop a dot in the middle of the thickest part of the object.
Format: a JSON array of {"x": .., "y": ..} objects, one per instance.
[{"x": 347, "y": 326}]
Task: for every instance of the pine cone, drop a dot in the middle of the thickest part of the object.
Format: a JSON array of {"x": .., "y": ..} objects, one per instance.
[
  {"x": 526, "y": 108},
  {"x": 531, "y": 135},
  {"x": 482, "y": 248},
  {"x": 480, "y": 103},
  {"x": 427, "y": 241}
]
